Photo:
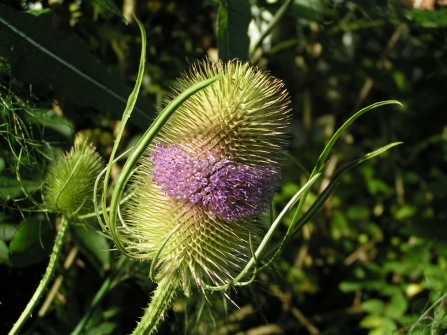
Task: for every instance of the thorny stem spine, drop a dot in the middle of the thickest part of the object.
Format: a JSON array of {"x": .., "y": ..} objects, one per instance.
[{"x": 163, "y": 295}]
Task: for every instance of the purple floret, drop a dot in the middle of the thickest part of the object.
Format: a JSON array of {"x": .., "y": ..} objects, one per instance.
[{"x": 228, "y": 190}]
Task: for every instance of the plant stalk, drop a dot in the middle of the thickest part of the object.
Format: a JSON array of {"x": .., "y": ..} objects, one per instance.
[
  {"x": 46, "y": 278},
  {"x": 163, "y": 294}
]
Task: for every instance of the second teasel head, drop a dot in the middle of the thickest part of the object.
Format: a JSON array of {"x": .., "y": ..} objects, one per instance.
[{"x": 68, "y": 187}]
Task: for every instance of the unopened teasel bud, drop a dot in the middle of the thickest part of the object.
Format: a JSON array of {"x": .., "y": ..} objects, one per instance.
[{"x": 69, "y": 184}]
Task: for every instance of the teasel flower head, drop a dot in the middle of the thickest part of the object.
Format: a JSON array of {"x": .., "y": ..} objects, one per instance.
[
  {"x": 68, "y": 188},
  {"x": 211, "y": 172}
]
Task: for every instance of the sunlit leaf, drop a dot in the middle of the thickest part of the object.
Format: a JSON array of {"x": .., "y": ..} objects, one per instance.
[
  {"x": 339, "y": 226},
  {"x": 349, "y": 286},
  {"x": 397, "y": 305},
  {"x": 405, "y": 212},
  {"x": 358, "y": 213},
  {"x": 371, "y": 321},
  {"x": 373, "y": 306}
]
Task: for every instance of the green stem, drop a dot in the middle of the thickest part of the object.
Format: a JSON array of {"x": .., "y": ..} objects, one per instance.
[
  {"x": 99, "y": 295},
  {"x": 163, "y": 294},
  {"x": 45, "y": 280}
]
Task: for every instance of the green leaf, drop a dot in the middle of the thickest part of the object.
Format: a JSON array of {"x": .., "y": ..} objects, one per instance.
[
  {"x": 11, "y": 188},
  {"x": 7, "y": 231},
  {"x": 41, "y": 56},
  {"x": 32, "y": 243},
  {"x": 93, "y": 245},
  {"x": 436, "y": 277},
  {"x": 373, "y": 230},
  {"x": 405, "y": 212},
  {"x": 388, "y": 327},
  {"x": 49, "y": 119},
  {"x": 431, "y": 18},
  {"x": 371, "y": 321},
  {"x": 322, "y": 159},
  {"x": 339, "y": 226},
  {"x": 4, "y": 254},
  {"x": 350, "y": 286},
  {"x": 373, "y": 306},
  {"x": 360, "y": 213},
  {"x": 104, "y": 328},
  {"x": 309, "y": 9},
  {"x": 110, "y": 5},
  {"x": 397, "y": 305},
  {"x": 233, "y": 18}
]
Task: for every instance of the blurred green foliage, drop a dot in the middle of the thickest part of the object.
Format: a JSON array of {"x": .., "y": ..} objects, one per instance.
[{"x": 373, "y": 261}]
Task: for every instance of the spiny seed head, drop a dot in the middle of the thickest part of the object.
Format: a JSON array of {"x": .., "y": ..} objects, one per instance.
[
  {"x": 212, "y": 169},
  {"x": 68, "y": 187}
]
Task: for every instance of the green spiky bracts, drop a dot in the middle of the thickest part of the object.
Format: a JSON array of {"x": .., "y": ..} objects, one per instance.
[
  {"x": 69, "y": 184},
  {"x": 211, "y": 171}
]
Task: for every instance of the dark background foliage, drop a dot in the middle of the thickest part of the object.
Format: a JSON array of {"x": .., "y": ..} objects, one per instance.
[{"x": 372, "y": 261}]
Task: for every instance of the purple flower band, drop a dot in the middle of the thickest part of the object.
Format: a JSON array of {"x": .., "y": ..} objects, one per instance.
[{"x": 228, "y": 190}]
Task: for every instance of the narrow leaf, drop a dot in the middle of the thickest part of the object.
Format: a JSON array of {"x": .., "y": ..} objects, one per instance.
[
  {"x": 323, "y": 157},
  {"x": 130, "y": 105},
  {"x": 110, "y": 5},
  {"x": 319, "y": 202},
  {"x": 233, "y": 18},
  {"x": 333, "y": 185}
]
